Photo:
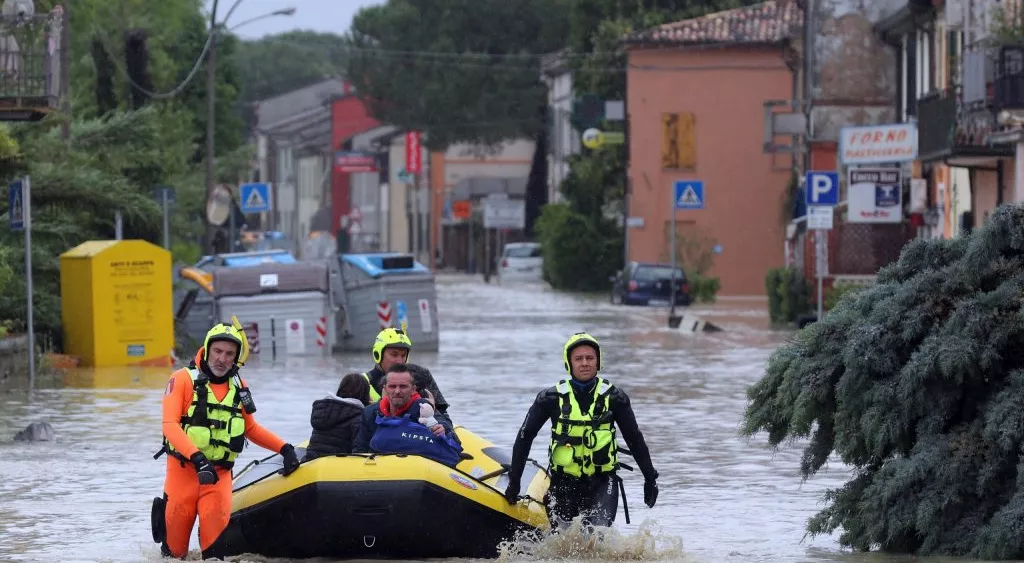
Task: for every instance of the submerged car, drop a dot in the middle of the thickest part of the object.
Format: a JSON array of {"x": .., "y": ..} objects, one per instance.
[{"x": 643, "y": 283}]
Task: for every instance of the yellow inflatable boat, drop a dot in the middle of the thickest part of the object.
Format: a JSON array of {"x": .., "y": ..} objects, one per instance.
[{"x": 370, "y": 506}]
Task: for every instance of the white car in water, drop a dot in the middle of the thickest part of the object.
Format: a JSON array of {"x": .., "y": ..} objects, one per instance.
[{"x": 520, "y": 262}]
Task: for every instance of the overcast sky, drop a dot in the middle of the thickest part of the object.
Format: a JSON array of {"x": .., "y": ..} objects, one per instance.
[{"x": 327, "y": 16}]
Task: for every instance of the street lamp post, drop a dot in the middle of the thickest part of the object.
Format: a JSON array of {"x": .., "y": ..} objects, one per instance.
[
  {"x": 211, "y": 110},
  {"x": 211, "y": 98}
]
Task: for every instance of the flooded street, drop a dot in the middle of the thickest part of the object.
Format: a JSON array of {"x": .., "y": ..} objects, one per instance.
[{"x": 87, "y": 497}]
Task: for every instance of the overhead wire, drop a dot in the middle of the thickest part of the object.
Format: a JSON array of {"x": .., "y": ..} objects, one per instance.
[
  {"x": 507, "y": 62},
  {"x": 159, "y": 95}
]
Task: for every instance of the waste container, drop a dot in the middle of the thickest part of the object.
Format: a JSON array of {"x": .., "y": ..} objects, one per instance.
[
  {"x": 284, "y": 308},
  {"x": 378, "y": 290},
  {"x": 116, "y": 303}
]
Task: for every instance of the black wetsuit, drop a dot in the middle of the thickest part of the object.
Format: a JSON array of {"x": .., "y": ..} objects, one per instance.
[{"x": 598, "y": 494}]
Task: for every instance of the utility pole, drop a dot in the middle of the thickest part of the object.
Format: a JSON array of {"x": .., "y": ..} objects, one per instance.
[
  {"x": 820, "y": 256},
  {"x": 211, "y": 116},
  {"x": 65, "y": 71}
]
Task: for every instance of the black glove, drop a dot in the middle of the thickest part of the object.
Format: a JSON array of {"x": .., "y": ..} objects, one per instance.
[
  {"x": 650, "y": 492},
  {"x": 512, "y": 493},
  {"x": 291, "y": 461},
  {"x": 205, "y": 470}
]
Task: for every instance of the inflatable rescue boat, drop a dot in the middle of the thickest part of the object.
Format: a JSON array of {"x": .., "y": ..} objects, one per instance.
[{"x": 370, "y": 506}]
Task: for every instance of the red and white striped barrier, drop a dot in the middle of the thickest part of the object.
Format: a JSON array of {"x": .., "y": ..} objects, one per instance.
[
  {"x": 252, "y": 335},
  {"x": 384, "y": 314},
  {"x": 321, "y": 332}
]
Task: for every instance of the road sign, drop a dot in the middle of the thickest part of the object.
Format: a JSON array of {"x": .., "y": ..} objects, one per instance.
[
  {"x": 504, "y": 213},
  {"x": 593, "y": 138},
  {"x": 403, "y": 316},
  {"x": 689, "y": 194},
  {"x": 16, "y": 205},
  {"x": 822, "y": 188},
  {"x": 160, "y": 192},
  {"x": 819, "y": 217},
  {"x": 413, "y": 152},
  {"x": 255, "y": 197}
]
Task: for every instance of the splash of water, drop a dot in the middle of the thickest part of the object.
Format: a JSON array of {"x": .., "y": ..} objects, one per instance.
[{"x": 579, "y": 542}]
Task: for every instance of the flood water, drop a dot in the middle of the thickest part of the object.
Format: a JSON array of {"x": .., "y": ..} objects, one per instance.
[{"x": 722, "y": 498}]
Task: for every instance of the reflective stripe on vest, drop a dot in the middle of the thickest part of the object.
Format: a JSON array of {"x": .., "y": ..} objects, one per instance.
[
  {"x": 374, "y": 395},
  {"x": 220, "y": 434},
  {"x": 583, "y": 444}
]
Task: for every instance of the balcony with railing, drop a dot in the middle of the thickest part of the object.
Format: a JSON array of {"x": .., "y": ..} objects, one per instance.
[
  {"x": 1008, "y": 83},
  {"x": 954, "y": 123},
  {"x": 30, "y": 65}
]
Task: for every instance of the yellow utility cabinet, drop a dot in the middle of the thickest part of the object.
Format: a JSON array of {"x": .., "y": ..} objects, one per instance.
[{"x": 117, "y": 304}]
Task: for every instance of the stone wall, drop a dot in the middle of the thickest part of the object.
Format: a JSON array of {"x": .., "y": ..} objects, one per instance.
[{"x": 14, "y": 361}]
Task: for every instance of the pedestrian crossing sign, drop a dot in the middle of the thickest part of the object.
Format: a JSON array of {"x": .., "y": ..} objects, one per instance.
[
  {"x": 16, "y": 205},
  {"x": 255, "y": 197},
  {"x": 688, "y": 194}
]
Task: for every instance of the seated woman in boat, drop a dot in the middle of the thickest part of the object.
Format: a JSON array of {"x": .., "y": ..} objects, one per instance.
[
  {"x": 392, "y": 425},
  {"x": 336, "y": 418}
]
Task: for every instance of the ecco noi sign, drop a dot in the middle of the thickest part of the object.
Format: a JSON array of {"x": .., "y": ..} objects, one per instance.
[{"x": 878, "y": 143}]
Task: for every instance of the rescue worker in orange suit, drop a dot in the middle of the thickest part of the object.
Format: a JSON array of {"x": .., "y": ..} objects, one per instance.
[
  {"x": 207, "y": 415},
  {"x": 584, "y": 411}
]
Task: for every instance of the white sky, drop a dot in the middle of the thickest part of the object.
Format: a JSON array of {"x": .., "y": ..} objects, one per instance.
[{"x": 325, "y": 16}]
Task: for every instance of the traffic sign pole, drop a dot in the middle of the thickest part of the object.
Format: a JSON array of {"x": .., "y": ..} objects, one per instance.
[
  {"x": 672, "y": 251},
  {"x": 231, "y": 224},
  {"x": 818, "y": 257},
  {"x": 27, "y": 206},
  {"x": 821, "y": 189},
  {"x": 167, "y": 219}
]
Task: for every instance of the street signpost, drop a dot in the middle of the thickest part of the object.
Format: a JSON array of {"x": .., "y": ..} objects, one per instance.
[
  {"x": 822, "y": 195},
  {"x": 686, "y": 194},
  {"x": 19, "y": 198}
]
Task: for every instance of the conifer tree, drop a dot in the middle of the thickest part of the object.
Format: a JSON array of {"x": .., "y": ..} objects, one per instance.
[{"x": 917, "y": 383}]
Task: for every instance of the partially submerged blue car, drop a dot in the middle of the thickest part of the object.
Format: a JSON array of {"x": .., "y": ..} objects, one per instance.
[{"x": 645, "y": 283}]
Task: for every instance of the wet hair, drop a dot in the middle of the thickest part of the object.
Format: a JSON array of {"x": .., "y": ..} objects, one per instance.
[{"x": 354, "y": 386}]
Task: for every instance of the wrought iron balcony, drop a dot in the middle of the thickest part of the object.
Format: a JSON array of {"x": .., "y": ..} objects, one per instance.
[
  {"x": 953, "y": 131},
  {"x": 30, "y": 65},
  {"x": 1008, "y": 85}
]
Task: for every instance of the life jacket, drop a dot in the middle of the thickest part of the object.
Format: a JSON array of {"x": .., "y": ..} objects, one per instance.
[
  {"x": 217, "y": 428},
  {"x": 404, "y": 435},
  {"x": 583, "y": 444},
  {"x": 374, "y": 395}
]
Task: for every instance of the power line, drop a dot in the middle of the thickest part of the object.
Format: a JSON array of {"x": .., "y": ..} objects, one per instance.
[
  {"x": 500, "y": 62},
  {"x": 160, "y": 95}
]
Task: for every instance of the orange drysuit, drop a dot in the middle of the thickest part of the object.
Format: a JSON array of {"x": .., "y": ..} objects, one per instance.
[{"x": 185, "y": 496}]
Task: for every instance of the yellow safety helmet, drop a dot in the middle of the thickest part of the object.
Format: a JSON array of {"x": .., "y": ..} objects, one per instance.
[
  {"x": 391, "y": 338},
  {"x": 228, "y": 332},
  {"x": 579, "y": 339}
]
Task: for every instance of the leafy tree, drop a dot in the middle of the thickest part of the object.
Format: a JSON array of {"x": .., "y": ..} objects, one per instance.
[
  {"x": 278, "y": 64},
  {"x": 78, "y": 185},
  {"x": 918, "y": 383},
  {"x": 578, "y": 256},
  {"x": 459, "y": 70}
]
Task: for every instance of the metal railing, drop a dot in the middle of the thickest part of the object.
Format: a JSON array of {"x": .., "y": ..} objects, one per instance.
[{"x": 30, "y": 49}]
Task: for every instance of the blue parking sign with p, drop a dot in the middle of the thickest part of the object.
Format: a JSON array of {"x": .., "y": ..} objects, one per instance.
[{"x": 822, "y": 188}]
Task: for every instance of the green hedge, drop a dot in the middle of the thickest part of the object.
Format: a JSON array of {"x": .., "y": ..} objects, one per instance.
[{"x": 788, "y": 295}]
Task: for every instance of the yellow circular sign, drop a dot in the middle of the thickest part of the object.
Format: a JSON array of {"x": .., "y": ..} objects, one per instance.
[{"x": 593, "y": 138}]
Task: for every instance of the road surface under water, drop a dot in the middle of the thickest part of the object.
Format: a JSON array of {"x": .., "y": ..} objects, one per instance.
[{"x": 723, "y": 498}]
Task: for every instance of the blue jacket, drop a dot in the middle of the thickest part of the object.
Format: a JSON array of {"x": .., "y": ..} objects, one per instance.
[{"x": 385, "y": 434}]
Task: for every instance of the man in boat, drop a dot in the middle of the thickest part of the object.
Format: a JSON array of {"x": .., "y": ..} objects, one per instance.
[
  {"x": 584, "y": 411},
  {"x": 391, "y": 347},
  {"x": 207, "y": 416},
  {"x": 392, "y": 425}
]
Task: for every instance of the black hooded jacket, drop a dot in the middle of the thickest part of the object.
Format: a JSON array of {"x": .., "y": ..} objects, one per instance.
[{"x": 335, "y": 422}]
